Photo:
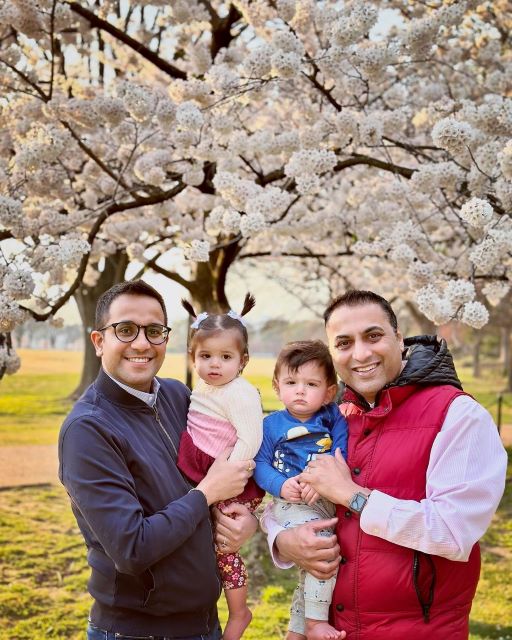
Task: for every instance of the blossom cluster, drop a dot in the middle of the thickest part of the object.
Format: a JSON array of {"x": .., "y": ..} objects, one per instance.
[
  {"x": 453, "y": 135},
  {"x": 307, "y": 165},
  {"x": 478, "y": 213},
  {"x": 10, "y": 314},
  {"x": 197, "y": 251},
  {"x": 456, "y": 302}
]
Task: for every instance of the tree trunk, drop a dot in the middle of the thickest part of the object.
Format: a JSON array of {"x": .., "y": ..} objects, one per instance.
[
  {"x": 5, "y": 344},
  {"x": 427, "y": 327},
  {"x": 477, "y": 344},
  {"x": 505, "y": 335},
  {"x": 86, "y": 298},
  {"x": 509, "y": 361}
]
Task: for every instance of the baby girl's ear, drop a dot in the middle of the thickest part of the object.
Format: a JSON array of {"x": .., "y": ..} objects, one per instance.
[{"x": 243, "y": 362}]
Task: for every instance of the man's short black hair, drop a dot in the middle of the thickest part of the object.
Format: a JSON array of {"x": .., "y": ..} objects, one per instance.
[
  {"x": 358, "y": 297},
  {"x": 132, "y": 288}
]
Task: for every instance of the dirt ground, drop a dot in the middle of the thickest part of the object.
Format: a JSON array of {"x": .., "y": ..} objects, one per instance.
[
  {"x": 27, "y": 465},
  {"x": 30, "y": 465}
]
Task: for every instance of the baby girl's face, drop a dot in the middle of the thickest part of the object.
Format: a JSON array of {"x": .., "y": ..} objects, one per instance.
[{"x": 217, "y": 359}]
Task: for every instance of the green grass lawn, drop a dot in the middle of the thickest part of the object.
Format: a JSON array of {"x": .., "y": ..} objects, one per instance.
[
  {"x": 43, "y": 573},
  {"x": 33, "y": 403}
]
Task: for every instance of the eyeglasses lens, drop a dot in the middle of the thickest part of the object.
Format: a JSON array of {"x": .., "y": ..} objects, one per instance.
[{"x": 128, "y": 331}]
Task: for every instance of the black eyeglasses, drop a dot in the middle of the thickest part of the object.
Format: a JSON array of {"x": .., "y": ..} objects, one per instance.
[{"x": 127, "y": 331}]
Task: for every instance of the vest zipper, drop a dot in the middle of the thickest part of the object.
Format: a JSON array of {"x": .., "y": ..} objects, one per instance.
[
  {"x": 424, "y": 604},
  {"x": 159, "y": 422}
]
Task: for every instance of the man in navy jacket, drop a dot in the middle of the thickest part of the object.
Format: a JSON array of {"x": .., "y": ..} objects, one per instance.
[{"x": 148, "y": 532}]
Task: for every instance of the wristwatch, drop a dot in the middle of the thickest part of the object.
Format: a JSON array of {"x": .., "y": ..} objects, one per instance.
[{"x": 358, "y": 501}]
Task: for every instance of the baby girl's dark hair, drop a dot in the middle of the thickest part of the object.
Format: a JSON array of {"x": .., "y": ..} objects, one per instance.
[
  {"x": 216, "y": 322},
  {"x": 294, "y": 354}
]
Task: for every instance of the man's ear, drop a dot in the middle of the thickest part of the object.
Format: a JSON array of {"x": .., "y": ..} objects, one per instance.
[
  {"x": 97, "y": 340},
  {"x": 400, "y": 339},
  {"x": 330, "y": 394}
]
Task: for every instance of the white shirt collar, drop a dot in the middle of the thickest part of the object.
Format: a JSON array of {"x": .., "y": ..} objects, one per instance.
[{"x": 147, "y": 398}]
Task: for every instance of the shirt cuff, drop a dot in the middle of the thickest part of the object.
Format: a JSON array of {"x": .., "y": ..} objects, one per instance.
[{"x": 376, "y": 514}]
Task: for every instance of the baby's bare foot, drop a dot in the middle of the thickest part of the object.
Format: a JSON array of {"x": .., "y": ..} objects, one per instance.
[{"x": 321, "y": 630}]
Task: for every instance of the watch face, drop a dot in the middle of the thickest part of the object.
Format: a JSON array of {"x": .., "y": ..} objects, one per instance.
[{"x": 358, "y": 501}]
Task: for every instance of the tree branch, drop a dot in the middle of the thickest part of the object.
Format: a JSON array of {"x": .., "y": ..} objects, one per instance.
[
  {"x": 109, "y": 211},
  {"x": 353, "y": 160},
  {"x": 138, "y": 47},
  {"x": 175, "y": 277},
  {"x": 263, "y": 254}
]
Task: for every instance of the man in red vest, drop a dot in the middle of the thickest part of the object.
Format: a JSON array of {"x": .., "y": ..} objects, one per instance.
[{"x": 426, "y": 470}]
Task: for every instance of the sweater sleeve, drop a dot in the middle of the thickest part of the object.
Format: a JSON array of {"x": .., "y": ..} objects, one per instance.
[
  {"x": 95, "y": 474},
  {"x": 243, "y": 409},
  {"x": 265, "y": 474},
  {"x": 339, "y": 431}
]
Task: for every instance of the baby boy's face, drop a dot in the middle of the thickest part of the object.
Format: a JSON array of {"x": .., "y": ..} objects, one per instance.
[{"x": 304, "y": 391}]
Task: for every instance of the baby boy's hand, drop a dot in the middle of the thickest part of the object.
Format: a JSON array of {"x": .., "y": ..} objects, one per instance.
[
  {"x": 291, "y": 490},
  {"x": 308, "y": 494}
]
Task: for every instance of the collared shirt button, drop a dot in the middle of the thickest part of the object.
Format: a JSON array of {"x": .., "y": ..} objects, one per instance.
[
  {"x": 339, "y": 607},
  {"x": 357, "y": 471}
]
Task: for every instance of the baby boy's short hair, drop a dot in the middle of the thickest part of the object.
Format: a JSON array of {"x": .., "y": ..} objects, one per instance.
[{"x": 295, "y": 354}]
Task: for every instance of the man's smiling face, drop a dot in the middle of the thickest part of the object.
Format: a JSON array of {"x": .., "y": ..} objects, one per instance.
[
  {"x": 132, "y": 363},
  {"x": 366, "y": 351}
]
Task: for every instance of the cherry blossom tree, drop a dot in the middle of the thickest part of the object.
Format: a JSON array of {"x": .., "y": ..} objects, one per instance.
[{"x": 378, "y": 131}]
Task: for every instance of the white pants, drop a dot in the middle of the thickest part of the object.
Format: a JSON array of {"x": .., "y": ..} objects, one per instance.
[{"x": 312, "y": 597}]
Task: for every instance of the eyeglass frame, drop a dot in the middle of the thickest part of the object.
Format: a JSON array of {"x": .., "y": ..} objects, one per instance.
[{"x": 139, "y": 327}]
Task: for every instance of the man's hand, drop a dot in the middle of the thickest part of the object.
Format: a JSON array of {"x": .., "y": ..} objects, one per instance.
[
  {"x": 234, "y": 525},
  {"x": 318, "y": 555},
  {"x": 291, "y": 490},
  {"x": 331, "y": 477},
  {"x": 225, "y": 479}
]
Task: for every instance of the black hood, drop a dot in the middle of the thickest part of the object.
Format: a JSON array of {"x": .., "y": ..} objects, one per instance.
[{"x": 428, "y": 363}]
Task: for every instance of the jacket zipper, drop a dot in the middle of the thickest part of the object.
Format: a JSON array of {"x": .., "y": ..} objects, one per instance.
[
  {"x": 159, "y": 422},
  {"x": 157, "y": 417}
]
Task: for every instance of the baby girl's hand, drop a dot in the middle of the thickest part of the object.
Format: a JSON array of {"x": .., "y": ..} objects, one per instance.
[{"x": 290, "y": 490}]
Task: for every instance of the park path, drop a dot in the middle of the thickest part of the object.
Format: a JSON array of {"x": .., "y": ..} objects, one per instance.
[
  {"x": 27, "y": 465},
  {"x": 37, "y": 464}
]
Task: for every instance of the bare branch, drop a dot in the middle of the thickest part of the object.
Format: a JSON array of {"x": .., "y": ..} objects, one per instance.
[{"x": 138, "y": 47}]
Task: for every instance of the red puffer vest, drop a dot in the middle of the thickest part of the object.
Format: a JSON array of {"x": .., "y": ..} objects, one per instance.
[{"x": 385, "y": 591}]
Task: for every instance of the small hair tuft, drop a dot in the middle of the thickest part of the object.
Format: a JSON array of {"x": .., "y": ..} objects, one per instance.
[
  {"x": 249, "y": 303},
  {"x": 188, "y": 308}
]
